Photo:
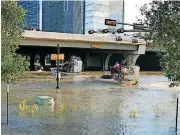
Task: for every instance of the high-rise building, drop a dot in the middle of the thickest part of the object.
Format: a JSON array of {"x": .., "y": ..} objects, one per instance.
[
  {"x": 71, "y": 16},
  {"x": 62, "y": 16},
  {"x": 52, "y": 16},
  {"x": 31, "y": 18},
  {"x": 97, "y": 11},
  {"x": 78, "y": 17}
]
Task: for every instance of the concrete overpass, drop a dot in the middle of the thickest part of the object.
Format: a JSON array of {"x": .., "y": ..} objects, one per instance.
[
  {"x": 98, "y": 43},
  {"x": 51, "y": 39}
]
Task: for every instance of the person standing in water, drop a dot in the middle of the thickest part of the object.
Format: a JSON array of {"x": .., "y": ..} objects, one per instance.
[{"x": 115, "y": 69}]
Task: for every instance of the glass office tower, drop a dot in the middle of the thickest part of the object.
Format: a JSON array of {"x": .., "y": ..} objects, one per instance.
[
  {"x": 31, "y": 18},
  {"x": 78, "y": 17},
  {"x": 97, "y": 11},
  {"x": 71, "y": 16},
  {"x": 61, "y": 16},
  {"x": 53, "y": 16}
]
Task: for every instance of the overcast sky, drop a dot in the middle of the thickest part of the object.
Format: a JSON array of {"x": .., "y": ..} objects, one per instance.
[{"x": 132, "y": 11}]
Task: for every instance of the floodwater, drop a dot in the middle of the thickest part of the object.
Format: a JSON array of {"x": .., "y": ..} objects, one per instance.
[{"x": 93, "y": 107}]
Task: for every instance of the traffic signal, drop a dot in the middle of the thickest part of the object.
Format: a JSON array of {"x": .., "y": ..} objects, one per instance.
[
  {"x": 91, "y": 31},
  {"x": 120, "y": 30},
  {"x": 134, "y": 41},
  {"x": 149, "y": 43},
  {"x": 105, "y": 30},
  {"x": 118, "y": 38}
]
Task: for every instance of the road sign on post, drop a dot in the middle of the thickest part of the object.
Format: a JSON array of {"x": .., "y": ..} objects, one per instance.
[
  {"x": 54, "y": 57},
  {"x": 110, "y": 22},
  {"x": 57, "y": 78}
]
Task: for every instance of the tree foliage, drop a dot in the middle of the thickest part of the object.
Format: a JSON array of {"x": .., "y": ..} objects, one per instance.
[
  {"x": 163, "y": 17},
  {"x": 12, "y": 65}
]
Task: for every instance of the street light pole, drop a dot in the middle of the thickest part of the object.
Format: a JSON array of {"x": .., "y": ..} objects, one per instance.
[
  {"x": 130, "y": 24},
  {"x": 57, "y": 78},
  {"x": 7, "y": 102},
  {"x": 177, "y": 114}
]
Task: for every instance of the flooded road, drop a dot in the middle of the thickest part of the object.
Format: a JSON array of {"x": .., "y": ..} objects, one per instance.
[{"x": 84, "y": 106}]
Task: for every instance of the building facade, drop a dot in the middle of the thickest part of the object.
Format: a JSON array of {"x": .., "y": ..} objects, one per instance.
[
  {"x": 31, "y": 18},
  {"x": 52, "y": 16},
  {"x": 62, "y": 16},
  {"x": 71, "y": 16},
  {"x": 97, "y": 11}
]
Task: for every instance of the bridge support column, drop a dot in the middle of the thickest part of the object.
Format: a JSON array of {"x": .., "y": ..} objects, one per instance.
[
  {"x": 42, "y": 59},
  {"x": 32, "y": 58},
  {"x": 107, "y": 61},
  {"x": 131, "y": 59}
]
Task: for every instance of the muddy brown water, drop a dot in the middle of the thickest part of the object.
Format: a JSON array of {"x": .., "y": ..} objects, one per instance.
[{"x": 92, "y": 107}]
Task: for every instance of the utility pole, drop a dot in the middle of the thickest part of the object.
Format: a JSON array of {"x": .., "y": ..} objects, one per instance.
[
  {"x": 7, "y": 103},
  {"x": 177, "y": 114},
  {"x": 57, "y": 78}
]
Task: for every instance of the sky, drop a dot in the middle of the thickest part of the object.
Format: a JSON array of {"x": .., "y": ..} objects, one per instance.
[{"x": 132, "y": 12}]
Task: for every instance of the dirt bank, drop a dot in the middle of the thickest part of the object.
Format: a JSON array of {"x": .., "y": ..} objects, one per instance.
[{"x": 47, "y": 75}]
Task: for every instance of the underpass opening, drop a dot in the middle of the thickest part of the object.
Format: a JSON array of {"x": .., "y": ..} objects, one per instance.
[
  {"x": 149, "y": 62},
  {"x": 92, "y": 58},
  {"x": 115, "y": 58},
  {"x": 94, "y": 62}
]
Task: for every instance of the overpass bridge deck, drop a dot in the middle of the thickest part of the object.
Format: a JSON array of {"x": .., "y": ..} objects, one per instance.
[{"x": 54, "y": 36}]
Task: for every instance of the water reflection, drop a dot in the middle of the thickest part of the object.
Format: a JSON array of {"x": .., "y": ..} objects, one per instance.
[{"x": 93, "y": 108}]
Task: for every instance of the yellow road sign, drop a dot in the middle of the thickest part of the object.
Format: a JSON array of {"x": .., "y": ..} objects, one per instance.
[{"x": 54, "y": 57}]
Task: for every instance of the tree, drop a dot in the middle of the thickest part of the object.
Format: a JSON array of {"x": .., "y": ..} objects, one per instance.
[
  {"x": 163, "y": 17},
  {"x": 12, "y": 65}
]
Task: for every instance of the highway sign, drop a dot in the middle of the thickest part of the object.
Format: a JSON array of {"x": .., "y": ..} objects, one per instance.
[
  {"x": 54, "y": 57},
  {"x": 110, "y": 22}
]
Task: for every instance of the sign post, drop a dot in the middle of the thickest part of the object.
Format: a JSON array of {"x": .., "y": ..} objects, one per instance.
[
  {"x": 177, "y": 114},
  {"x": 136, "y": 27},
  {"x": 57, "y": 79},
  {"x": 57, "y": 57},
  {"x": 7, "y": 102}
]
